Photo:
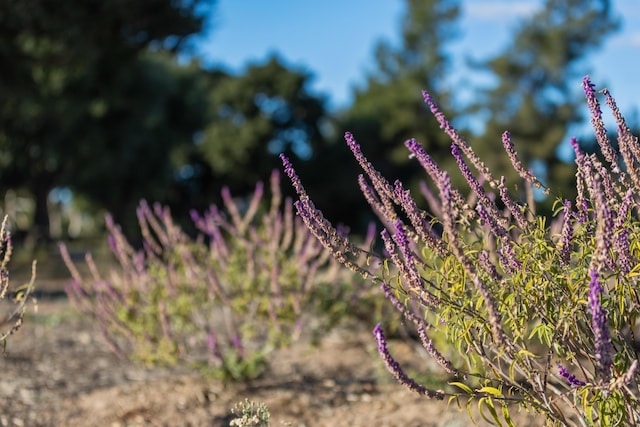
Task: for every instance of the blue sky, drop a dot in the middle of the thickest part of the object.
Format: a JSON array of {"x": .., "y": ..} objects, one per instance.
[{"x": 334, "y": 40}]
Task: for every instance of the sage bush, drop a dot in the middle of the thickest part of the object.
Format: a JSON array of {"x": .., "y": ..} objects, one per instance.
[
  {"x": 248, "y": 283},
  {"x": 541, "y": 313}
]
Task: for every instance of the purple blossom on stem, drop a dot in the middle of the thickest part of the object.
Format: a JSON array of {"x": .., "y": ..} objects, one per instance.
[
  {"x": 581, "y": 199},
  {"x": 513, "y": 207},
  {"x": 566, "y": 237},
  {"x": 418, "y": 220},
  {"x": 488, "y": 266},
  {"x": 621, "y": 236},
  {"x": 383, "y": 210},
  {"x": 382, "y": 186},
  {"x": 627, "y": 143},
  {"x": 497, "y": 222},
  {"x": 428, "y": 345},
  {"x": 407, "y": 269},
  {"x": 457, "y": 139},
  {"x": 388, "y": 294},
  {"x": 427, "y": 162},
  {"x": 432, "y": 169},
  {"x": 338, "y": 244},
  {"x": 604, "y": 224},
  {"x": 571, "y": 379},
  {"x": 515, "y": 161},
  {"x": 293, "y": 176},
  {"x": 598, "y": 124},
  {"x": 602, "y": 339},
  {"x": 396, "y": 370},
  {"x": 507, "y": 256}
]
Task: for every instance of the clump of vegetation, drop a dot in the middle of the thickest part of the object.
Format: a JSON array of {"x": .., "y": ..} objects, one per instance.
[
  {"x": 221, "y": 301},
  {"x": 250, "y": 414},
  {"x": 19, "y": 296},
  {"x": 542, "y": 314}
]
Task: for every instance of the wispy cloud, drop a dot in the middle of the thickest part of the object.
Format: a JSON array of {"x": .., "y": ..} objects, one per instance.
[
  {"x": 626, "y": 40},
  {"x": 633, "y": 39},
  {"x": 499, "y": 10}
]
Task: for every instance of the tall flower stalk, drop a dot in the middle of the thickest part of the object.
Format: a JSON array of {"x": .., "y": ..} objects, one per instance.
[{"x": 541, "y": 313}]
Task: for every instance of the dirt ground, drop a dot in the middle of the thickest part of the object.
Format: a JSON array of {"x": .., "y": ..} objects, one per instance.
[{"x": 57, "y": 371}]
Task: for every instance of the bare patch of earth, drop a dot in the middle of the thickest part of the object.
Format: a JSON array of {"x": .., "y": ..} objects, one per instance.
[{"x": 57, "y": 371}]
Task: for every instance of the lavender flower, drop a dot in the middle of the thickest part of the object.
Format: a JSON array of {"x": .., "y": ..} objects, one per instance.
[
  {"x": 497, "y": 222},
  {"x": 598, "y": 124},
  {"x": 488, "y": 266},
  {"x": 339, "y": 245},
  {"x": 427, "y": 162},
  {"x": 571, "y": 379},
  {"x": 627, "y": 142},
  {"x": 394, "y": 367},
  {"x": 457, "y": 139},
  {"x": 581, "y": 200},
  {"x": 602, "y": 339},
  {"x": 513, "y": 207},
  {"x": 428, "y": 345},
  {"x": 515, "y": 161},
  {"x": 406, "y": 267},
  {"x": 293, "y": 176},
  {"x": 418, "y": 220},
  {"x": 604, "y": 226},
  {"x": 381, "y": 185},
  {"x": 567, "y": 235},
  {"x": 383, "y": 208},
  {"x": 433, "y": 170}
]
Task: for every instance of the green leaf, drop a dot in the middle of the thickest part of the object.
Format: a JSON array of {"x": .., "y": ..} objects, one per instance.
[
  {"x": 462, "y": 386},
  {"x": 507, "y": 416},
  {"x": 492, "y": 391}
]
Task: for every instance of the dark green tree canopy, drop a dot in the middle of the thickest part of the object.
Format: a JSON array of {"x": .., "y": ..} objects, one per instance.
[
  {"x": 68, "y": 66},
  {"x": 388, "y": 109},
  {"x": 537, "y": 95},
  {"x": 267, "y": 110}
]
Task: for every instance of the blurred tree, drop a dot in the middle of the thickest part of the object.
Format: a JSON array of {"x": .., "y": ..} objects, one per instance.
[
  {"x": 537, "y": 95},
  {"x": 256, "y": 115},
  {"x": 389, "y": 108},
  {"x": 76, "y": 72},
  {"x": 137, "y": 139}
]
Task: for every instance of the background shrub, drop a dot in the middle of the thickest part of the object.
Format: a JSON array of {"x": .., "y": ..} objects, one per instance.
[{"x": 221, "y": 301}]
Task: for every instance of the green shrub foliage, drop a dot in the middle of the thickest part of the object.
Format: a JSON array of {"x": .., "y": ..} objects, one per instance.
[
  {"x": 220, "y": 301},
  {"x": 542, "y": 312}
]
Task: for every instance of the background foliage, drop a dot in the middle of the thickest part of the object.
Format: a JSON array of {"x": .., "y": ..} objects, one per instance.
[{"x": 103, "y": 104}]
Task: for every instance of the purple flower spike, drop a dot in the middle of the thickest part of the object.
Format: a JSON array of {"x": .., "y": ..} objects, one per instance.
[
  {"x": 598, "y": 123},
  {"x": 566, "y": 239},
  {"x": 602, "y": 339},
  {"x": 515, "y": 161},
  {"x": 571, "y": 379},
  {"x": 394, "y": 367},
  {"x": 293, "y": 176},
  {"x": 426, "y": 161}
]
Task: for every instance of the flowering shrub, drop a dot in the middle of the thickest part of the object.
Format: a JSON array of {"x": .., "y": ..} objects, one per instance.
[
  {"x": 542, "y": 315},
  {"x": 220, "y": 301},
  {"x": 12, "y": 322}
]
